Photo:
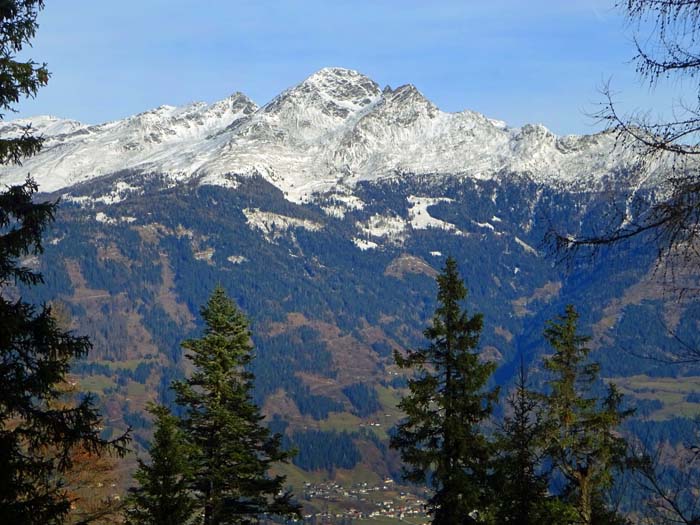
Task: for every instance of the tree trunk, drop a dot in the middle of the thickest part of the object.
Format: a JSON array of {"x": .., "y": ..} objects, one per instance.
[{"x": 586, "y": 503}]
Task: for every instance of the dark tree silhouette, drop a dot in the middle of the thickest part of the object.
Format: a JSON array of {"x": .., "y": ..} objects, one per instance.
[
  {"x": 522, "y": 481},
  {"x": 230, "y": 450},
  {"x": 163, "y": 496},
  {"x": 39, "y": 432},
  {"x": 441, "y": 438}
]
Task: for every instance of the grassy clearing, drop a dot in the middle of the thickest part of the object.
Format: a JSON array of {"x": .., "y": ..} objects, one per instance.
[
  {"x": 296, "y": 477},
  {"x": 671, "y": 391},
  {"x": 360, "y": 474},
  {"x": 96, "y": 384},
  {"x": 129, "y": 364},
  {"x": 135, "y": 390},
  {"x": 390, "y": 414},
  {"x": 340, "y": 421},
  {"x": 389, "y": 398},
  {"x": 383, "y": 520},
  {"x": 379, "y": 521}
]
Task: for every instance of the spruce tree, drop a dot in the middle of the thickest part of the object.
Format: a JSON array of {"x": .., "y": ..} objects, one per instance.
[
  {"x": 39, "y": 432},
  {"x": 163, "y": 495},
  {"x": 19, "y": 78},
  {"x": 582, "y": 429},
  {"x": 231, "y": 451},
  {"x": 520, "y": 474},
  {"x": 440, "y": 438}
]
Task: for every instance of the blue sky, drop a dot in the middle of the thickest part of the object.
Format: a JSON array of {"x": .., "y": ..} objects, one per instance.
[{"x": 520, "y": 61}]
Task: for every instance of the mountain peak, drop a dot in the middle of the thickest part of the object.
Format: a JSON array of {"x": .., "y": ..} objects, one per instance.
[
  {"x": 334, "y": 128},
  {"x": 237, "y": 101},
  {"x": 44, "y": 125},
  {"x": 407, "y": 104},
  {"x": 335, "y": 91},
  {"x": 405, "y": 93},
  {"x": 342, "y": 84},
  {"x": 336, "y": 72}
]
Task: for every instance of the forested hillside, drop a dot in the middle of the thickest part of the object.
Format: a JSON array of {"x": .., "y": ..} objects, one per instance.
[{"x": 331, "y": 296}]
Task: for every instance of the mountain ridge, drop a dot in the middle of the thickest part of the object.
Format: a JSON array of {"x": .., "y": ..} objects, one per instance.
[{"x": 335, "y": 128}]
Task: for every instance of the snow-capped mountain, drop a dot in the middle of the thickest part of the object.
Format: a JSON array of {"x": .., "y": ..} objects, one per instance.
[
  {"x": 335, "y": 128},
  {"x": 347, "y": 199}
]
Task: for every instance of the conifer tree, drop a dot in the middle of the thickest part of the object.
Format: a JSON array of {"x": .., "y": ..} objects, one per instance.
[
  {"x": 39, "y": 431},
  {"x": 441, "y": 439},
  {"x": 163, "y": 495},
  {"x": 19, "y": 79},
  {"x": 39, "y": 434},
  {"x": 231, "y": 451},
  {"x": 583, "y": 442},
  {"x": 520, "y": 476}
]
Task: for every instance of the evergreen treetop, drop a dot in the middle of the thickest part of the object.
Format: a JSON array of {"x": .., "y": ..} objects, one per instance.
[
  {"x": 163, "y": 494},
  {"x": 231, "y": 452},
  {"x": 523, "y": 481},
  {"x": 582, "y": 428},
  {"x": 440, "y": 438},
  {"x": 39, "y": 432}
]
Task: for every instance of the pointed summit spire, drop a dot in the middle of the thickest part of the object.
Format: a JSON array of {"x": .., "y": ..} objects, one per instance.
[{"x": 337, "y": 92}]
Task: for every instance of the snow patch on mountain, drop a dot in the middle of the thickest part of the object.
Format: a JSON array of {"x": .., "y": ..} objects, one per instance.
[
  {"x": 391, "y": 228},
  {"x": 420, "y": 218},
  {"x": 525, "y": 246},
  {"x": 80, "y": 200},
  {"x": 273, "y": 225},
  {"x": 120, "y": 192},
  {"x": 486, "y": 225},
  {"x": 334, "y": 211},
  {"x": 236, "y": 259},
  {"x": 364, "y": 244},
  {"x": 338, "y": 204},
  {"x": 104, "y": 218}
]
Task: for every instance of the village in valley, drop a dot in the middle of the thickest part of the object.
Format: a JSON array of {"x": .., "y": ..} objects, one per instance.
[{"x": 363, "y": 503}]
